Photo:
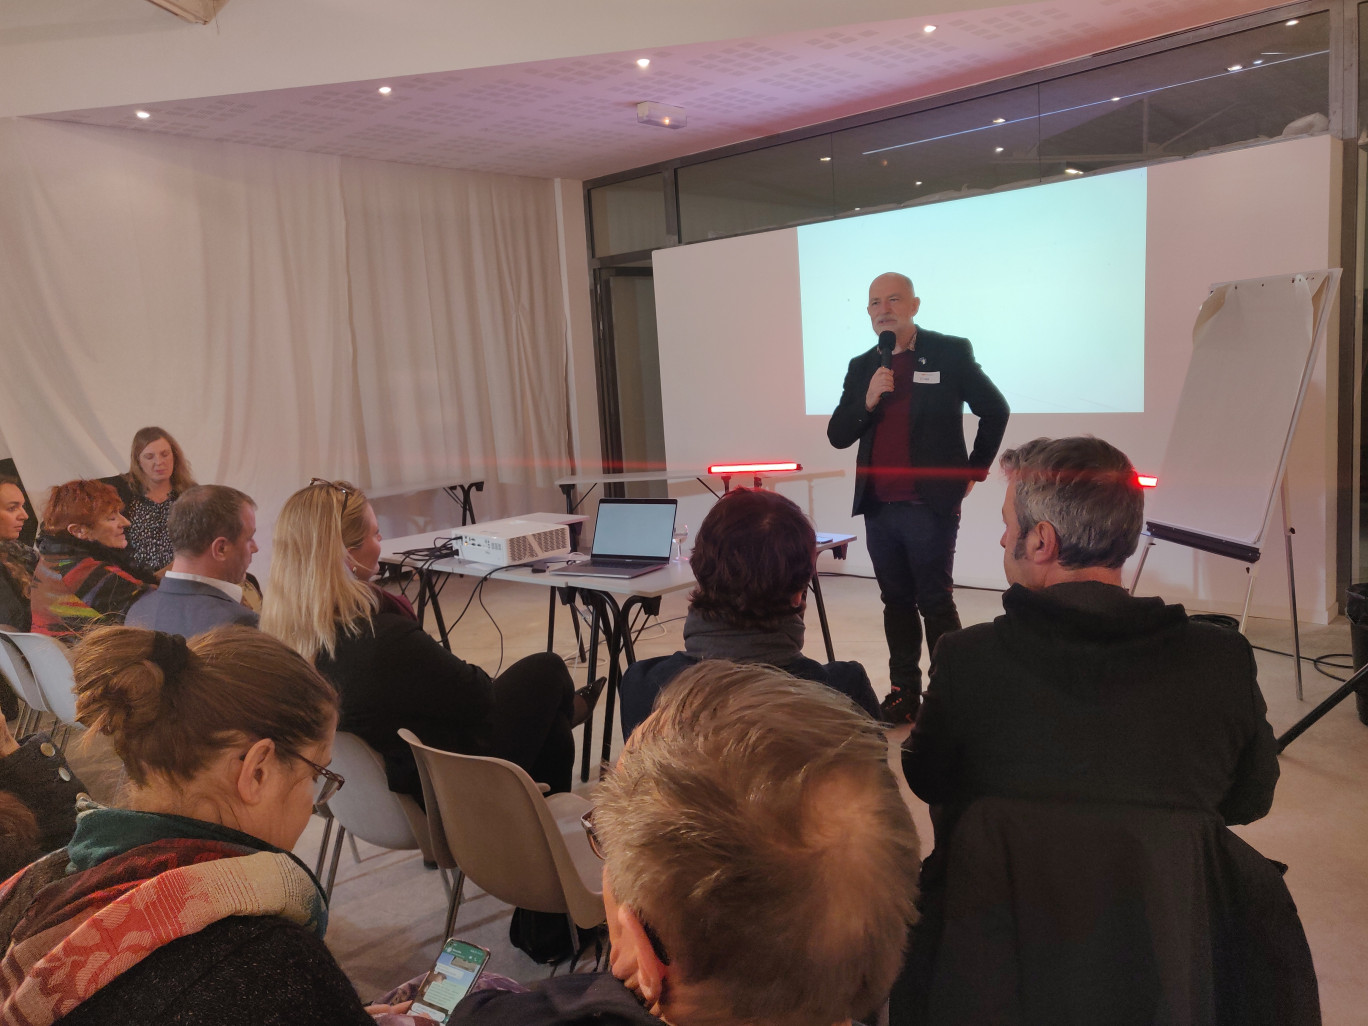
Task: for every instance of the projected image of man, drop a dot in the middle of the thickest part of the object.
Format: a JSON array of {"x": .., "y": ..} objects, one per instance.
[{"x": 903, "y": 402}]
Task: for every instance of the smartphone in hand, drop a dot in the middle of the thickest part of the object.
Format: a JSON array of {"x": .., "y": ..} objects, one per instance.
[{"x": 458, "y": 967}]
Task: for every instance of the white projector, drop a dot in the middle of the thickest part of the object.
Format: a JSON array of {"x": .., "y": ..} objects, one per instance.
[{"x": 510, "y": 542}]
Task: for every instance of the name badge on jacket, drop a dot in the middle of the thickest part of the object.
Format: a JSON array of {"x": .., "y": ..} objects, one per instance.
[{"x": 926, "y": 377}]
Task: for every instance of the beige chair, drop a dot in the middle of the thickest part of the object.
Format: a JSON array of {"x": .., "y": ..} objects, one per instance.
[
  {"x": 516, "y": 844},
  {"x": 368, "y": 809}
]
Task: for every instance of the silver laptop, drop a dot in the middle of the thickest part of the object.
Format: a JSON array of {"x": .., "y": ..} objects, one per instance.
[{"x": 631, "y": 537}]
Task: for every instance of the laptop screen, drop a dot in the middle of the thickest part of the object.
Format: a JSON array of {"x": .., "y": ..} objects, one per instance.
[{"x": 628, "y": 528}]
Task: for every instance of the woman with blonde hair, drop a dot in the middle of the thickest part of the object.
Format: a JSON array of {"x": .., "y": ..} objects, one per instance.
[
  {"x": 226, "y": 741},
  {"x": 158, "y": 473},
  {"x": 389, "y": 672}
]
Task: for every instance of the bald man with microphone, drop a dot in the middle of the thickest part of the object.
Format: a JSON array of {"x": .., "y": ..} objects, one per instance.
[{"x": 903, "y": 401}]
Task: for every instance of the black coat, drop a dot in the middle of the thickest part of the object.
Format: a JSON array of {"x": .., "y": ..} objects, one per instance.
[
  {"x": 1083, "y": 692},
  {"x": 937, "y": 442},
  {"x": 396, "y": 675}
]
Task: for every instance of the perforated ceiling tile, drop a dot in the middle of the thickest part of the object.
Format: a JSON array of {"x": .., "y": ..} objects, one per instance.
[{"x": 576, "y": 117}]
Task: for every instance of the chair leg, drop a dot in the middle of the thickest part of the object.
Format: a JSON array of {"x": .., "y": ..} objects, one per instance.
[
  {"x": 336, "y": 854},
  {"x": 454, "y": 906},
  {"x": 327, "y": 833},
  {"x": 575, "y": 949},
  {"x": 356, "y": 855}
]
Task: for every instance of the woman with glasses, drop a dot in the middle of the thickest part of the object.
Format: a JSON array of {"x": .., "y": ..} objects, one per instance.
[
  {"x": 225, "y": 741},
  {"x": 388, "y": 671}
]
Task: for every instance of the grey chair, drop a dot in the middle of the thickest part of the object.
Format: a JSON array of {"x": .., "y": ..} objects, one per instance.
[
  {"x": 516, "y": 844},
  {"x": 43, "y": 677},
  {"x": 368, "y": 809}
]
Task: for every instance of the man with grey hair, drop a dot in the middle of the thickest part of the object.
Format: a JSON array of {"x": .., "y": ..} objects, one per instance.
[
  {"x": 1081, "y": 695},
  {"x": 213, "y": 535},
  {"x": 903, "y": 403},
  {"x": 759, "y": 865}
]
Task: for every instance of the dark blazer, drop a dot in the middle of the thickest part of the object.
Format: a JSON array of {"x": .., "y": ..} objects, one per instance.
[
  {"x": 937, "y": 442},
  {"x": 187, "y": 608}
]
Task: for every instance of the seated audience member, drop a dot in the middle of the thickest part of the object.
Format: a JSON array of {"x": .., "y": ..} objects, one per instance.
[
  {"x": 225, "y": 742},
  {"x": 17, "y": 560},
  {"x": 158, "y": 473},
  {"x": 388, "y": 670},
  {"x": 753, "y": 559},
  {"x": 759, "y": 865},
  {"x": 213, "y": 530},
  {"x": 83, "y": 578},
  {"x": 1073, "y": 738},
  {"x": 37, "y": 793}
]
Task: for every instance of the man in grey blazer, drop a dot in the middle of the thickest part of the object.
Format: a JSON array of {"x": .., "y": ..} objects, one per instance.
[{"x": 213, "y": 530}]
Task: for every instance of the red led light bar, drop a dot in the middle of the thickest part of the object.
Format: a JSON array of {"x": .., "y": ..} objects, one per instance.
[
  {"x": 727, "y": 469},
  {"x": 1147, "y": 480}
]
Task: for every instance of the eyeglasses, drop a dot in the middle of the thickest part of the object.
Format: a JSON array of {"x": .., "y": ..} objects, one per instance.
[
  {"x": 587, "y": 821},
  {"x": 332, "y": 782},
  {"x": 346, "y": 492}
]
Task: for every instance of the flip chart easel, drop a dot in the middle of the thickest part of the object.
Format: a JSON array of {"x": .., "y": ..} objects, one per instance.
[{"x": 1254, "y": 351}]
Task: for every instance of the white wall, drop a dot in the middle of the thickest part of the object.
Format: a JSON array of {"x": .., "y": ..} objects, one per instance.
[{"x": 731, "y": 365}]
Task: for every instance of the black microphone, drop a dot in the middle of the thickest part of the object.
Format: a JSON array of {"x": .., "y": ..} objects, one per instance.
[{"x": 887, "y": 340}]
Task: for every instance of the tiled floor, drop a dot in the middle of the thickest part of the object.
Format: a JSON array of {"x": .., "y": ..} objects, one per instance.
[{"x": 387, "y": 911}]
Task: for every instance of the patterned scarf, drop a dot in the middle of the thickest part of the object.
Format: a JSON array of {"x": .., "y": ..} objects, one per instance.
[{"x": 73, "y": 930}]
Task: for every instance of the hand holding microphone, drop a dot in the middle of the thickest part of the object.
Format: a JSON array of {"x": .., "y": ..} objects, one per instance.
[{"x": 882, "y": 381}]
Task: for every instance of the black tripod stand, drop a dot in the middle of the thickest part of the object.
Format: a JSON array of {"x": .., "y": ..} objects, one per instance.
[{"x": 1341, "y": 693}]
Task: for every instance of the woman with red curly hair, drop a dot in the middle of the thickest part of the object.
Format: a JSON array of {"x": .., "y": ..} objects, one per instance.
[{"x": 83, "y": 578}]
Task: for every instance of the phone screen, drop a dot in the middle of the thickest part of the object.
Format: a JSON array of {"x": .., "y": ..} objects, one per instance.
[{"x": 451, "y": 978}]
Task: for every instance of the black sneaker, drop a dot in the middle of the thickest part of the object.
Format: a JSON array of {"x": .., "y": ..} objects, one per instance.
[{"x": 900, "y": 706}]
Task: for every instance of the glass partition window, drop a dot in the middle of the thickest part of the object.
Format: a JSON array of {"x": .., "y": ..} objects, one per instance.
[
  {"x": 786, "y": 184},
  {"x": 1253, "y": 85},
  {"x": 960, "y": 148},
  {"x": 629, "y": 217}
]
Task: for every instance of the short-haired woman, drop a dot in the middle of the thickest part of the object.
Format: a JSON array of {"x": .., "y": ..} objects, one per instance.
[
  {"x": 17, "y": 560},
  {"x": 83, "y": 577},
  {"x": 158, "y": 473},
  {"x": 388, "y": 670},
  {"x": 225, "y": 741},
  {"x": 753, "y": 559}
]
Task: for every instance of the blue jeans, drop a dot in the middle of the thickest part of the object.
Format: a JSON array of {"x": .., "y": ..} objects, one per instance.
[{"x": 913, "y": 551}]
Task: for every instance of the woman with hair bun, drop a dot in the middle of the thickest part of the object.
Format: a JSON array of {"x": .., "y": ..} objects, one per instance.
[
  {"x": 158, "y": 473},
  {"x": 83, "y": 577},
  {"x": 225, "y": 741}
]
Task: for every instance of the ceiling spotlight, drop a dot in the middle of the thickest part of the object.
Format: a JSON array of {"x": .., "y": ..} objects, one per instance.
[
  {"x": 997, "y": 149},
  {"x": 999, "y": 121},
  {"x": 928, "y": 29},
  {"x": 916, "y": 183},
  {"x": 143, "y": 114},
  {"x": 385, "y": 90},
  {"x": 1116, "y": 99},
  {"x": 1235, "y": 67},
  {"x": 661, "y": 115},
  {"x": 1290, "y": 22},
  {"x": 825, "y": 160},
  {"x": 1257, "y": 60},
  {"x": 1072, "y": 171},
  {"x": 643, "y": 62}
]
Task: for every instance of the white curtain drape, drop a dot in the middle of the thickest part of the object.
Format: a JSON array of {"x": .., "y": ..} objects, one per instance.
[{"x": 283, "y": 314}]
